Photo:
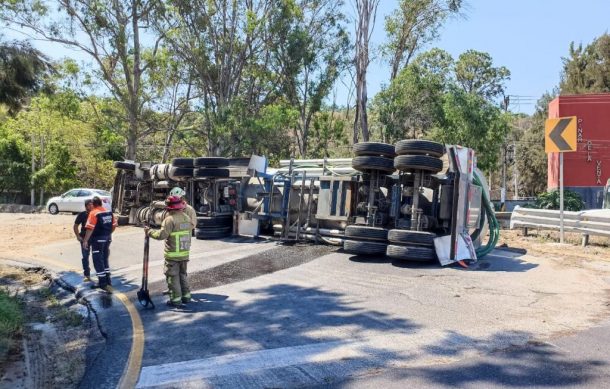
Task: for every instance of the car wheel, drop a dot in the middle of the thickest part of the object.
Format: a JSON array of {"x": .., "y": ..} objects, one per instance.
[{"x": 53, "y": 210}]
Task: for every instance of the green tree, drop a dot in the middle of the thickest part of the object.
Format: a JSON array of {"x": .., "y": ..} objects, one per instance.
[
  {"x": 413, "y": 25},
  {"x": 471, "y": 121},
  {"x": 244, "y": 56},
  {"x": 323, "y": 57},
  {"x": 55, "y": 130},
  {"x": 23, "y": 70},
  {"x": 329, "y": 138},
  {"x": 475, "y": 73},
  {"x": 587, "y": 70},
  {"x": 110, "y": 34},
  {"x": 531, "y": 159},
  {"x": 412, "y": 104},
  {"x": 14, "y": 164}
]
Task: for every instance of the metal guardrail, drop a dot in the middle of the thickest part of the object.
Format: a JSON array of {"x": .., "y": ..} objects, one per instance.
[{"x": 592, "y": 222}]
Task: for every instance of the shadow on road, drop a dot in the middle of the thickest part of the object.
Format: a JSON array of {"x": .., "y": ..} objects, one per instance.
[
  {"x": 539, "y": 365},
  {"x": 499, "y": 261},
  {"x": 270, "y": 317}
]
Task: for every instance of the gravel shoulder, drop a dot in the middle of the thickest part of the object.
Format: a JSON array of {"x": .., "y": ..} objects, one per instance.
[{"x": 50, "y": 349}]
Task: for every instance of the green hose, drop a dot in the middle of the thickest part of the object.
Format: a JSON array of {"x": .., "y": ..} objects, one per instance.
[{"x": 494, "y": 226}]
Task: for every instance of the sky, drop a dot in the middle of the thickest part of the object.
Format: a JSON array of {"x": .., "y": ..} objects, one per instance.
[{"x": 529, "y": 37}]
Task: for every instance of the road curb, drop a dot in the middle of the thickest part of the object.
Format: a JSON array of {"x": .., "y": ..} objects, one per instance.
[
  {"x": 82, "y": 299},
  {"x": 117, "y": 362}
]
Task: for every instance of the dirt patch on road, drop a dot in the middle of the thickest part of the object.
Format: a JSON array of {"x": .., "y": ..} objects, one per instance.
[
  {"x": 20, "y": 233},
  {"x": 47, "y": 348},
  {"x": 278, "y": 258},
  {"x": 546, "y": 244}
]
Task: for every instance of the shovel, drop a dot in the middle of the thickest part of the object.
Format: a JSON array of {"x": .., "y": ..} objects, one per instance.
[{"x": 143, "y": 295}]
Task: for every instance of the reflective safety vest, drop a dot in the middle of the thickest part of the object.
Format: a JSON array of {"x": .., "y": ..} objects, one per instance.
[
  {"x": 182, "y": 244},
  {"x": 176, "y": 230}
]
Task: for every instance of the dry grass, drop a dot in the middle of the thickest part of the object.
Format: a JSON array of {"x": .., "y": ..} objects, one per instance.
[
  {"x": 27, "y": 304},
  {"x": 544, "y": 243}
]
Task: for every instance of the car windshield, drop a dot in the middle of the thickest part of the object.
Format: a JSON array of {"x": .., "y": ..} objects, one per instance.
[{"x": 102, "y": 192}]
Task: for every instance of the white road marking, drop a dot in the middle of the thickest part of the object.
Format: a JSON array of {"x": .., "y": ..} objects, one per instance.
[{"x": 387, "y": 350}]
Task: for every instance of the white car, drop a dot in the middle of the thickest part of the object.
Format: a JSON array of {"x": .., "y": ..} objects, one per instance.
[{"x": 74, "y": 200}]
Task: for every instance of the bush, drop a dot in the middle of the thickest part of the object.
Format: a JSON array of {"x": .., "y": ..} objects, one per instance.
[
  {"x": 550, "y": 200},
  {"x": 11, "y": 322}
]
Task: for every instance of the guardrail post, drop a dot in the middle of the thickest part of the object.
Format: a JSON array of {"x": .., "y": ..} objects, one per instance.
[
  {"x": 524, "y": 231},
  {"x": 585, "y": 240}
]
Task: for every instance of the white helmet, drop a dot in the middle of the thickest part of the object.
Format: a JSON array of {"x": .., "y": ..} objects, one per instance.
[{"x": 177, "y": 191}]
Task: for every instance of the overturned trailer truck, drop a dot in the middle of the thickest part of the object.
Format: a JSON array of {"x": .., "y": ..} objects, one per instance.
[{"x": 417, "y": 200}]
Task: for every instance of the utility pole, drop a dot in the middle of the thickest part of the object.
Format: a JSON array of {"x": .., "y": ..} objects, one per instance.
[
  {"x": 32, "y": 191},
  {"x": 504, "y": 152},
  {"x": 515, "y": 172},
  {"x": 503, "y": 189}
]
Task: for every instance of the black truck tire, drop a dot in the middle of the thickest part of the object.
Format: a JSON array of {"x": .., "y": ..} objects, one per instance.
[
  {"x": 124, "y": 165},
  {"x": 364, "y": 248},
  {"x": 212, "y": 233},
  {"x": 411, "y": 253},
  {"x": 214, "y": 221},
  {"x": 374, "y": 149},
  {"x": 367, "y": 163},
  {"x": 183, "y": 162},
  {"x": 205, "y": 172},
  {"x": 211, "y": 162},
  {"x": 419, "y": 147},
  {"x": 122, "y": 220},
  {"x": 239, "y": 162},
  {"x": 419, "y": 238},
  {"x": 177, "y": 173},
  {"x": 366, "y": 233},
  {"x": 409, "y": 163}
]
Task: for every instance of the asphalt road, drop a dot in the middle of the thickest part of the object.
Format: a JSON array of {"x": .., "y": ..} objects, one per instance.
[{"x": 268, "y": 315}]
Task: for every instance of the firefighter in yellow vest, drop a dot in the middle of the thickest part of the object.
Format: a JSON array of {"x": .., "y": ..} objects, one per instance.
[{"x": 176, "y": 230}]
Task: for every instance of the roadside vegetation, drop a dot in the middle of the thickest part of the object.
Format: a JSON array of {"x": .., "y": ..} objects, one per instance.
[
  {"x": 11, "y": 322},
  {"x": 41, "y": 326},
  {"x": 550, "y": 200},
  {"x": 162, "y": 79}
]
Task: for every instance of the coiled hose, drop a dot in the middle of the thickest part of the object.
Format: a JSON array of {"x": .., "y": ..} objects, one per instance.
[{"x": 494, "y": 226}]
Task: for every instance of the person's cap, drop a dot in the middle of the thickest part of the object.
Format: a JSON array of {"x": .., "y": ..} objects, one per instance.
[
  {"x": 177, "y": 191},
  {"x": 174, "y": 203}
]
